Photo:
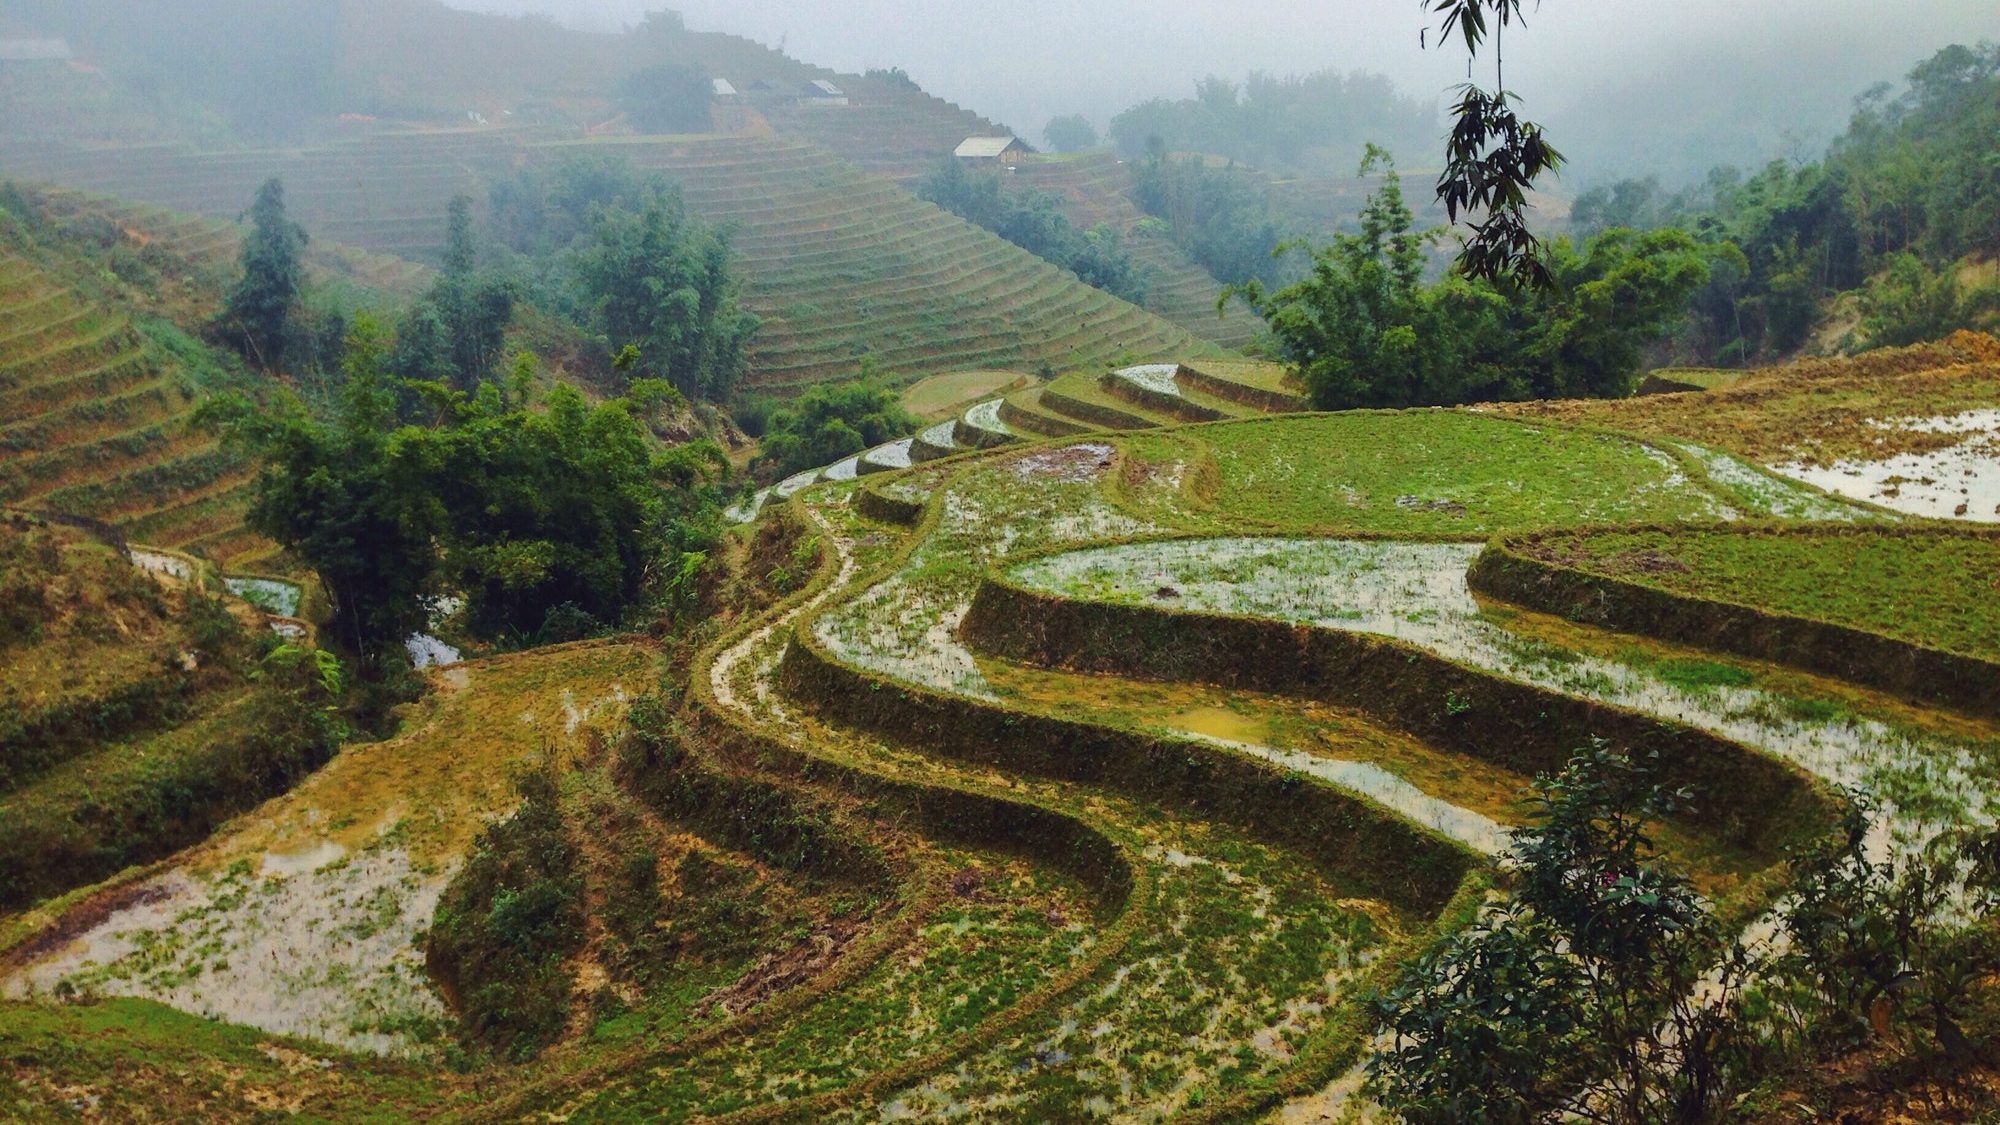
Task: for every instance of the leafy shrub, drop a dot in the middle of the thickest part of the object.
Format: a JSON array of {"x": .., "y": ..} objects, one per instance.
[
  {"x": 831, "y": 421},
  {"x": 508, "y": 923}
]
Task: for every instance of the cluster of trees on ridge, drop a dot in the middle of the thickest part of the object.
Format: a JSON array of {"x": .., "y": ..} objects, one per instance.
[
  {"x": 1034, "y": 221},
  {"x": 1903, "y": 211},
  {"x": 425, "y": 470},
  {"x": 1217, "y": 214},
  {"x": 1316, "y": 123},
  {"x": 1364, "y": 329}
]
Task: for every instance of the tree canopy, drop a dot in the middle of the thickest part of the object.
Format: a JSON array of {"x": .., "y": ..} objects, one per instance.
[
  {"x": 257, "y": 319},
  {"x": 1894, "y": 210},
  {"x": 536, "y": 512},
  {"x": 1070, "y": 133},
  {"x": 617, "y": 252},
  {"x": 1364, "y": 330},
  {"x": 831, "y": 421}
]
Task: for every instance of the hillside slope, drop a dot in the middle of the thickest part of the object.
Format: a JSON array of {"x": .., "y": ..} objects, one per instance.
[
  {"x": 842, "y": 264},
  {"x": 96, "y": 418},
  {"x": 1094, "y": 189}
]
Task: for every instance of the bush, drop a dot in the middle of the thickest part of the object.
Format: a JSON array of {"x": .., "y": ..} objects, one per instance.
[
  {"x": 831, "y": 421},
  {"x": 507, "y": 925}
]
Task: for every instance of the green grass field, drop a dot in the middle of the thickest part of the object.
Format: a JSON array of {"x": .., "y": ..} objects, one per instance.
[{"x": 1932, "y": 590}]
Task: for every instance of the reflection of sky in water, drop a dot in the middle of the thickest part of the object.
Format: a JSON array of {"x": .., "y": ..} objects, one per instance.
[
  {"x": 1416, "y": 592},
  {"x": 986, "y": 416},
  {"x": 281, "y": 598}
]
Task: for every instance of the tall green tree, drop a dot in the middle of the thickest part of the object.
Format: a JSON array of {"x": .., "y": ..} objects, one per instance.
[
  {"x": 456, "y": 333},
  {"x": 532, "y": 511},
  {"x": 257, "y": 319},
  {"x": 1070, "y": 133},
  {"x": 341, "y": 495},
  {"x": 1364, "y": 330},
  {"x": 654, "y": 279}
]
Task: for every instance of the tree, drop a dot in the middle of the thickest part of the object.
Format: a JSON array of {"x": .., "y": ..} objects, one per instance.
[
  {"x": 533, "y": 512},
  {"x": 666, "y": 98},
  {"x": 258, "y": 315},
  {"x": 338, "y": 494},
  {"x": 1603, "y": 989},
  {"x": 831, "y": 421},
  {"x": 1070, "y": 133},
  {"x": 456, "y": 332},
  {"x": 653, "y": 278},
  {"x": 1364, "y": 331},
  {"x": 1493, "y": 157}
]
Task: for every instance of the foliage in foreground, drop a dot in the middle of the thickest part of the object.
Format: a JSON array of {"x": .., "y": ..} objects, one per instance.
[
  {"x": 508, "y": 923},
  {"x": 1365, "y": 331},
  {"x": 1604, "y": 988}
]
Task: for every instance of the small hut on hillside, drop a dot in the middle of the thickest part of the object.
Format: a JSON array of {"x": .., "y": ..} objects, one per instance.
[
  {"x": 822, "y": 92},
  {"x": 1004, "y": 151},
  {"x": 725, "y": 92}
]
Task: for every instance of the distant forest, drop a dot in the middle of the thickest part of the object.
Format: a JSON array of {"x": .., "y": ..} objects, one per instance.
[
  {"x": 1903, "y": 213},
  {"x": 1315, "y": 124}
]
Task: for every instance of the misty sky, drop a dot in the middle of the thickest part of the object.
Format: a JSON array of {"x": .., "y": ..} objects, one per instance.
[{"x": 1774, "y": 75}]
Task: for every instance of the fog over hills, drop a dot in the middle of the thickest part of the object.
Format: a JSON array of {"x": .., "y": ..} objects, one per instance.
[{"x": 1631, "y": 87}]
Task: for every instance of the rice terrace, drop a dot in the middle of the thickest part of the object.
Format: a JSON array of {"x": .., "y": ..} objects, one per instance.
[{"x": 568, "y": 567}]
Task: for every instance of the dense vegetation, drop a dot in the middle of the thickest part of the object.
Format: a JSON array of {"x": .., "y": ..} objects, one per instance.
[
  {"x": 1606, "y": 988},
  {"x": 1898, "y": 210},
  {"x": 456, "y": 332},
  {"x": 1070, "y": 133},
  {"x": 1034, "y": 221},
  {"x": 259, "y": 318},
  {"x": 1218, "y": 215},
  {"x": 551, "y": 518},
  {"x": 618, "y": 253},
  {"x": 666, "y": 98},
  {"x": 1315, "y": 123},
  {"x": 831, "y": 421},
  {"x": 507, "y": 925},
  {"x": 1364, "y": 330}
]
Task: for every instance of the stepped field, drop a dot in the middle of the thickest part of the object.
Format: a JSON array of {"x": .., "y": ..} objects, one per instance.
[
  {"x": 838, "y": 262},
  {"x": 385, "y": 192},
  {"x": 887, "y": 129},
  {"x": 1098, "y": 774},
  {"x": 96, "y": 420},
  {"x": 842, "y": 264},
  {"x": 1093, "y": 187}
]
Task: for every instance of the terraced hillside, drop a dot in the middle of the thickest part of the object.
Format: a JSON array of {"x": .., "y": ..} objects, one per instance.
[
  {"x": 887, "y": 128},
  {"x": 96, "y": 421},
  {"x": 842, "y": 264},
  {"x": 386, "y": 192},
  {"x": 1094, "y": 188},
  {"x": 1099, "y": 775}
]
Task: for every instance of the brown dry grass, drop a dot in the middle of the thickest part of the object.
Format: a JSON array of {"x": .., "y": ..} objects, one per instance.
[{"x": 1815, "y": 410}]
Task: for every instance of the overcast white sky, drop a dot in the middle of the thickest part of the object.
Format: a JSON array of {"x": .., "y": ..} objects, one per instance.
[{"x": 1795, "y": 63}]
